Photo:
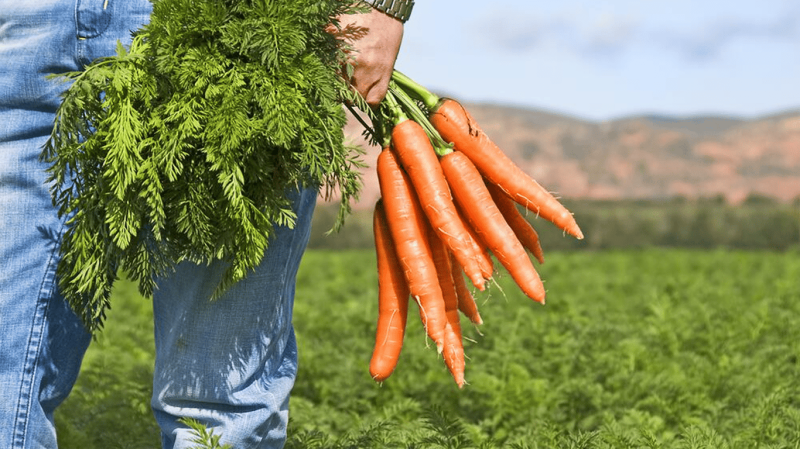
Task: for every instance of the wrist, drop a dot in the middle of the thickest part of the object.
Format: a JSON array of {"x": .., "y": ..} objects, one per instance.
[{"x": 398, "y": 9}]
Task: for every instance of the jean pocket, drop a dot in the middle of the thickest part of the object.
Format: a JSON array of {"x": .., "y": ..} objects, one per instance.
[{"x": 93, "y": 17}]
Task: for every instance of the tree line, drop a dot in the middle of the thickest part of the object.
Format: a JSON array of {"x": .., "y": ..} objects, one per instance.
[{"x": 759, "y": 223}]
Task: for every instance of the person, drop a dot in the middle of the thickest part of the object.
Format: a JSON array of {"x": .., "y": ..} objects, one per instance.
[{"x": 230, "y": 364}]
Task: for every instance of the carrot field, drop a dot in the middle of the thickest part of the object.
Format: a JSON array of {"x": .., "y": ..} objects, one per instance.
[{"x": 651, "y": 348}]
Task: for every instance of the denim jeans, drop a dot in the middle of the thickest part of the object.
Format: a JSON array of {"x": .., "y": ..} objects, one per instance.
[{"x": 230, "y": 364}]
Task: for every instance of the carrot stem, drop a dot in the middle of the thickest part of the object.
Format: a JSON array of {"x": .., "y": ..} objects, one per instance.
[
  {"x": 397, "y": 113},
  {"x": 403, "y": 101},
  {"x": 418, "y": 91}
]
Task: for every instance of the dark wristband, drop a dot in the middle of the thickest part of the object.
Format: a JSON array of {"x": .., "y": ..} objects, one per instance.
[{"x": 399, "y": 9}]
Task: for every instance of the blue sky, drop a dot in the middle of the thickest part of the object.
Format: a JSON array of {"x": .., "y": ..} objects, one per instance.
[{"x": 606, "y": 59}]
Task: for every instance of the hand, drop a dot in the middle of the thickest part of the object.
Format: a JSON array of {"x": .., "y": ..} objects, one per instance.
[{"x": 375, "y": 39}]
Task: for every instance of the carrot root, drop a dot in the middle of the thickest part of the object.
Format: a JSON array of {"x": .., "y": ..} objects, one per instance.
[
  {"x": 408, "y": 229},
  {"x": 417, "y": 156},
  {"x": 472, "y": 194},
  {"x": 466, "y": 302},
  {"x": 392, "y": 301},
  {"x": 453, "y": 350},
  {"x": 457, "y": 126},
  {"x": 522, "y": 228}
]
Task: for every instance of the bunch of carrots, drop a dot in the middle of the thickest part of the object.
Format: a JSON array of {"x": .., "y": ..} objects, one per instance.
[{"x": 448, "y": 203}]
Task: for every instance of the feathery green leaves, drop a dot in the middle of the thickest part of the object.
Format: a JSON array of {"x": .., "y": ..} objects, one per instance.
[{"x": 183, "y": 146}]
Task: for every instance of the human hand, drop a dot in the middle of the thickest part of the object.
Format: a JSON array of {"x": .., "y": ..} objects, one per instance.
[{"x": 375, "y": 41}]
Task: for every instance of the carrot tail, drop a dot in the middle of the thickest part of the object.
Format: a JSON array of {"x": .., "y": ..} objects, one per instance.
[
  {"x": 522, "y": 228},
  {"x": 392, "y": 301},
  {"x": 484, "y": 258},
  {"x": 408, "y": 228},
  {"x": 471, "y": 193},
  {"x": 466, "y": 302},
  {"x": 457, "y": 126},
  {"x": 453, "y": 350}
]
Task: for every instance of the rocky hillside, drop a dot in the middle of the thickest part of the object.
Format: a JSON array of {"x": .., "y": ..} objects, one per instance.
[{"x": 642, "y": 157}]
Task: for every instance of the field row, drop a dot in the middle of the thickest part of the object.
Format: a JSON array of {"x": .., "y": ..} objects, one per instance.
[{"x": 653, "y": 348}]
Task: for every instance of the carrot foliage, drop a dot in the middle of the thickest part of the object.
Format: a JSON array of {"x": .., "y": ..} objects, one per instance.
[{"x": 182, "y": 146}]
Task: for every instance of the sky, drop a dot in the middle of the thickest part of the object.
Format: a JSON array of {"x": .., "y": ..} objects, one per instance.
[{"x": 606, "y": 59}]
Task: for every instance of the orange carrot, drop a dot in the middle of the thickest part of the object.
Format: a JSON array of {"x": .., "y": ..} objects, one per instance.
[
  {"x": 466, "y": 302},
  {"x": 485, "y": 260},
  {"x": 392, "y": 301},
  {"x": 521, "y": 226},
  {"x": 457, "y": 126},
  {"x": 475, "y": 200},
  {"x": 417, "y": 156},
  {"x": 453, "y": 350},
  {"x": 408, "y": 227}
]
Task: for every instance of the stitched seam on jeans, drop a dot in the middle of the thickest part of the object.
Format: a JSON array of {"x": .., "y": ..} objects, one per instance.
[
  {"x": 78, "y": 46},
  {"x": 31, "y": 355}
]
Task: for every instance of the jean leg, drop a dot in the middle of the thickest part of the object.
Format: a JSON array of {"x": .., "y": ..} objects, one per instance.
[
  {"x": 231, "y": 363},
  {"x": 42, "y": 342}
]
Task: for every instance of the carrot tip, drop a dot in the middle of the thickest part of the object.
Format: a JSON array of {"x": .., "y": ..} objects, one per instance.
[
  {"x": 480, "y": 285},
  {"x": 379, "y": 378}
]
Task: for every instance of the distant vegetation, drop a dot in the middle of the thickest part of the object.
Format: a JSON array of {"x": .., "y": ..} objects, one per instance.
[{"x": 758, "y": 223}]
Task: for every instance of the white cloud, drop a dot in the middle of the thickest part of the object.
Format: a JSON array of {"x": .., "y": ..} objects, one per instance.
[
  {"x": 707, "y": 41},
  {"x": 515, "y": 33},
  {"x": 574, "y": 31},
  {"x": 607, "y": 33}
]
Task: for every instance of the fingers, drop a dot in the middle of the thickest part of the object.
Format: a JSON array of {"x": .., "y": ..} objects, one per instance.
[{"x": 375, "y": 41}]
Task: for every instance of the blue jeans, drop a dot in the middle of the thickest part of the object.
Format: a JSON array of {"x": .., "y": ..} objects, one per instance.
[{"x": 230, "y": 364}]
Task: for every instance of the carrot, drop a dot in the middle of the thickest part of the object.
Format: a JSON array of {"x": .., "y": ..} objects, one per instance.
[
  {"x": 485, "y": 260},
  {"x": 408, "y": 227},
  {"x": 453, "y": 350},
  {"x": 522, "y": 228},
  {"x": 472, "y": 195},
  {"x": 456, "y": 125},
  {"x": 392, "y": 301},
  {"x": 466, "y": 302},
  {"x": 417, "y": 156}
]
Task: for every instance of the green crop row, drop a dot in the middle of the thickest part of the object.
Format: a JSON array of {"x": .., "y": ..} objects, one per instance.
[{"x": 651, "y": 348}]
